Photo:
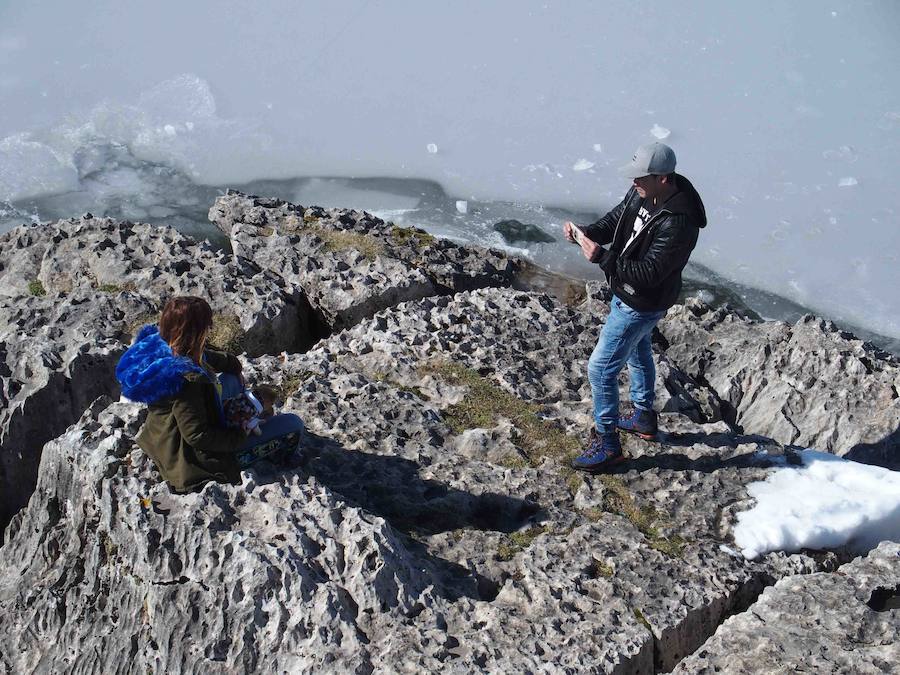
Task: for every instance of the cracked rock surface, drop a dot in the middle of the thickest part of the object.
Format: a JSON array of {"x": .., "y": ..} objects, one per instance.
[
  {"x": 809, "y": 384},
  {"x": 431, "y": 523},
  {"x": 351, "y": 264},
  {"x": 846, "y": 622},
  {"x": 403, "y": 542},
  {"x": 72, "y": 293}
]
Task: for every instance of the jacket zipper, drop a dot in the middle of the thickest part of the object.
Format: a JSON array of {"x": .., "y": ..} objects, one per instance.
[{"x": 646, "y": 228}]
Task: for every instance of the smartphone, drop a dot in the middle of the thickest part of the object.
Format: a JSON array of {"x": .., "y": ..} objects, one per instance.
[{"x": 578, "y": 234}]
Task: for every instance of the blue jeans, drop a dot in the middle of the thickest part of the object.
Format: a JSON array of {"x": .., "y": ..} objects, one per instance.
[
  {"x": 285, "y": 427},
  {"x": 624, "y": 339}
]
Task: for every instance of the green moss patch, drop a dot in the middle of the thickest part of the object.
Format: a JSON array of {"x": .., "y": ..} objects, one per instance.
[
  {"x": 411, "y": 235},
  {"x": 617, "y": 499},
  {"x": 518, "y": 541},
  {"x": 36, "y": 288},
  {"x": 639, "y": 615},
  {"x": 335, "y": 240},
  {"x": 485, "y": 403},
  {"x": 227, "y": 333}
]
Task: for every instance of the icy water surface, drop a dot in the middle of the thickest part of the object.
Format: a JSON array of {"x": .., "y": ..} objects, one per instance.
[{"x": 113, "y": 183}]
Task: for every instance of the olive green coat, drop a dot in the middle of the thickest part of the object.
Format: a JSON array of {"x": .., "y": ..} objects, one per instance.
[{"x": 184, "y": 436}]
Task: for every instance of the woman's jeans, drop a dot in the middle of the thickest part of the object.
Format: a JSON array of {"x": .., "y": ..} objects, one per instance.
[
  {"x": 281, "y": 433},
  {"x": 625, "y": 338}
]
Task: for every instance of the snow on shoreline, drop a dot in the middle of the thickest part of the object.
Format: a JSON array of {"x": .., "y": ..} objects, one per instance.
[{"x": 826, "y": 503}]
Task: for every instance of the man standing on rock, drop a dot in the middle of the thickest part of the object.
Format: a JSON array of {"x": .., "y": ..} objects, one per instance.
[{"x": 651, "y": 234}]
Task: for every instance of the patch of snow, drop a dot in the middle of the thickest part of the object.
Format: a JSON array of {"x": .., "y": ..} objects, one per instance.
[
  {"x": 462, "y": 206},
  {"x": 598, "y": 147},
  {"x": 431, "y": 148},
  {"x": 730, "y": 551},
  {"x": 847, "y": 181},
  {"x": 825, "y": 503}
]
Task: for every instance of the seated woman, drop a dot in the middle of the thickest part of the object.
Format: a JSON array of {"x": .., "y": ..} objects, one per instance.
[{"x": 185, "y": 434}]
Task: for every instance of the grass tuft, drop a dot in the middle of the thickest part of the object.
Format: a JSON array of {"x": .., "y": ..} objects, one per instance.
[
  {"x": 412, "y": 235},
  {"x": 639, "y": 615},
  {"x": 36, "y": 288},
  {"x": 514, "y": 462},
  {"x": 616, "y": 499},
  {"x": 227, "y": 334},
  {"x": 601, "y": 568},
  {"x": 133, "y": 327},
  {"x": 290, "y": 385},
  {"x": 518, "y": 541},
  {"x": 485, "y": 403},
  {"x": 335, "y": 239}
]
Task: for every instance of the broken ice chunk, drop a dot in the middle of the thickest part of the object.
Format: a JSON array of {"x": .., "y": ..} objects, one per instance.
[
  {"x": 847, "y": 181},
  {"x": 582, "y": 165},
  {"x": 598, "y": 147},
  {"x": 432, "y": 148},
  {"x": 660, "y": 132},
  {"x": 462, "y": 206}
]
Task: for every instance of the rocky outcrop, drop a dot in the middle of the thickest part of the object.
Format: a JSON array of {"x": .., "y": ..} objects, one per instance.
[
  {"x": 845, "y": 622},
  {"x": 98, "y": 256},
  {"x": 432, "y": 522},
  {"x": 71, "y": 295},
  {"x": 350, "y": 264},
  {"x": 73, "y": 292},
  {"x": 420, "y": 533},
  {"x": 809, "y": 385}
]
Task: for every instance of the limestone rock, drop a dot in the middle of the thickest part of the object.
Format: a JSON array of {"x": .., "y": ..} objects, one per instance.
[
  {"x": 56, "y": 356},
  {"x": 809, "y": 385},
  {"x": 846, "y": 622},
  {"x": 432, "y": 523},
  {"x": 72, "y": 293},
  {"x": 396, "y": 546},
  {"x": 100, "y": 256},
  {"x": 348, "y": 263}
]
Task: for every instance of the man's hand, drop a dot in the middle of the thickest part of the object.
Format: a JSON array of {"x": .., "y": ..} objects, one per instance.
[
  {"x": 568, "y": 233},
  {"x": 593, "y": 252}
]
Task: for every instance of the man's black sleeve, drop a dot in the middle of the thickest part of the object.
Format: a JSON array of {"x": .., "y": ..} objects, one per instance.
[
  {"x": 603, "y": 230},
  {"x": 669, "y": 251}
]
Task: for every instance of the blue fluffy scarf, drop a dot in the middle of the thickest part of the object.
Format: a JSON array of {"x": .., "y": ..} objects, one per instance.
[{"x": 148, "y": 370}]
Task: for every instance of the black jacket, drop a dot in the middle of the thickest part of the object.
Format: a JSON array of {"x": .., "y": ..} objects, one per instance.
[{"x": 647, "y": 275}]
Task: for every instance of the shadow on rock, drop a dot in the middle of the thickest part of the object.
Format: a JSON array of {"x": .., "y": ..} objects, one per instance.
[
  {"x": 884, "y": 453},
  {"x": 390, "y": 487},
  {"x": 705, "y": 464}
]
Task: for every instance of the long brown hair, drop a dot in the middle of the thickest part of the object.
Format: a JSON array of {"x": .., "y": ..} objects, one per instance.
[{"x": 183, "y": 324}]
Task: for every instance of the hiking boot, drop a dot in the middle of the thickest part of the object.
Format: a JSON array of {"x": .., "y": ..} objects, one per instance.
[
  {"x": 603, "y": 450},
  {"x": 641, "y": 422}
]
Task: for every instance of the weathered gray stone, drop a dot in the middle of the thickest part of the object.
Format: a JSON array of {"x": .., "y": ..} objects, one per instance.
[
  {"x": 71, "y": 295},
  {"x": 433, "y": 523},
  {"x": 56, "y": 356},
  {"x": 810, "y": 384},
  {"x": 500, "y": 565},
  {"x": 100, "y": 256},
  {"x": 846, "y": 622},
  {"x": 351, "y": 264}
]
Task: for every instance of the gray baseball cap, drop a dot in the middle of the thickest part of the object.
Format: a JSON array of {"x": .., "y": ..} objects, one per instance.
[{"x": 654, "y": 158}]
